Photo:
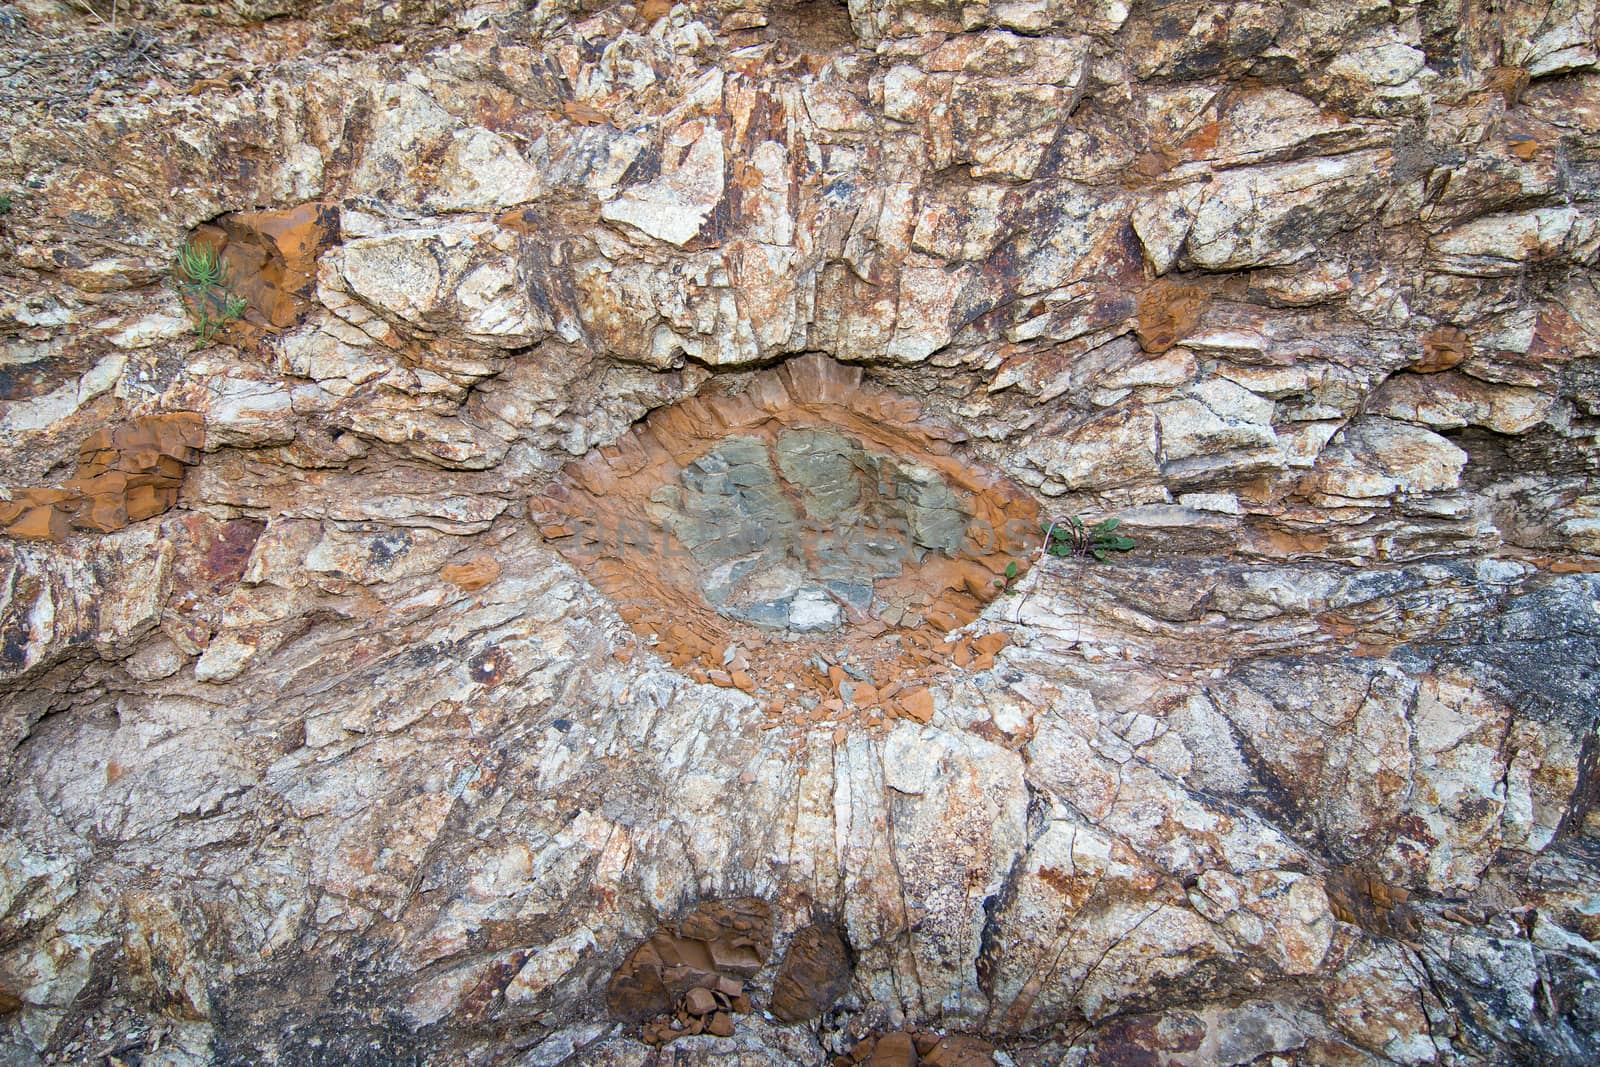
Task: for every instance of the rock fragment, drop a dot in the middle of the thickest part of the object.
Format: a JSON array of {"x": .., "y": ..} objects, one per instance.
[
  {"x": 474, "y": 574},
  {"x": 125, "y": 474},
  {"x": 814, "y": 974}
]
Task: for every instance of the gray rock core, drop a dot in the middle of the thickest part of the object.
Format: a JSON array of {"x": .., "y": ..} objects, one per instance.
[{"x": 792, "y": 536}]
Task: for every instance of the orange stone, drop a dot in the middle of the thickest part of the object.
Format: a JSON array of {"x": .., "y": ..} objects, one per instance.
[
  {"x": 917, "y": 705},
  {"x": 989, "y": 644},
  {"x": 41, "y": 524},
  {"x": 1442, "y": 349},
  {"x": 476, "y": 573}
]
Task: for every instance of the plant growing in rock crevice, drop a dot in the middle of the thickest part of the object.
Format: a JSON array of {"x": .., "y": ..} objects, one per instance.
[
  {"x": 1074, "y": 537},
  {"x": 201, "y": 279},
  {"x": 1068, "y": 537},
  {"x": 1008, "y": 584}
]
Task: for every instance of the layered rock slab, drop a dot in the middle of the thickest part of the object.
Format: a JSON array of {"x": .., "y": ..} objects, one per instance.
[
  {"x": 125, "y": 474},
  {"x": 398, "y": 818}
]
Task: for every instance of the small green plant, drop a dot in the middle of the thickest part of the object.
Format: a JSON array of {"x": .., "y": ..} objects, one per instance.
[
  {"x": 5, "y": 203},
  {"x": 201, "y": 278},
  {"x": 1073, "y": 537},
  {"x": 1009, "y": 582}
]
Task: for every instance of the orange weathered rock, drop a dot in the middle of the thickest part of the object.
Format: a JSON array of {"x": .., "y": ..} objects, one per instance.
[
  {"x": 917, "y": 705},
  {"x": 918, "y": 1048},
  {"x": 1509, "y": 82},
  {"x": 689, "y": 974},
  {"x": 126, "y": 473},
  {"x": 894, "y": 1050},
  {"x": 814, "y": 974},
  {"x": 1442, "y": 349},
  {"x": 271, "y": 258},
  {"x": 991, "y": 644},
  {"x": 719, "y": 939},
  {"x": 1360, "y": 897},
  {"x": 1167, "y": 313},
  {"x": 474, "y": 574},
  {"x": 40, "y": 522},
  {"x": 844, "y": 469}
]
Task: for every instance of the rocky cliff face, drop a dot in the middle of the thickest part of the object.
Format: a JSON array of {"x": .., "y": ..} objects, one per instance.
[{"x": 582, "y": 601}]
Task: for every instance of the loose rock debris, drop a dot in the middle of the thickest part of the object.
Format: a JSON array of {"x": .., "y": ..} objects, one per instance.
[{"x": 688, "y": 977}]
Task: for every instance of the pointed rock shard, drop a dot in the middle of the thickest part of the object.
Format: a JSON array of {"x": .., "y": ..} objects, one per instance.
[{"x": 917, "y": 705}]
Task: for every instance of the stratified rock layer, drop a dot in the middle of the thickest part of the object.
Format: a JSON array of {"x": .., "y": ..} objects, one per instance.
[{"x": 334, "y": 757}]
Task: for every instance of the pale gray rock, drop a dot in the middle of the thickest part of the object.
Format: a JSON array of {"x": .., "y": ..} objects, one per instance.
[
  {"x": 477, "y": 169},
  {"x": 1273, "y": 215},
  {"x": 674, "y": 207},
  {"x": 464, "y": 279},
  {"x": 1450, "y": 401},
  {"x": 1378, "y": 457}
]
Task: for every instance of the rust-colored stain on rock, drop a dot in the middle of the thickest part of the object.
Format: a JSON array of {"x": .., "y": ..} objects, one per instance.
[
  {"x": 489, "y": 667},
  {"x": 814, "y": 974},
  {"x": 476, "y": 573},
  {"x": 1358, "y": 896},
  {"x": 812, "y": 538},
  {"x": 1442, "y": 349}
]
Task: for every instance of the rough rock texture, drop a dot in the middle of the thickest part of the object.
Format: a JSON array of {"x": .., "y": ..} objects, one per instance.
[
  {"x": 339, "y": 759},
  {"x": 125, "y": 474},
  {"x": 726, "y": 527},
  {"x": 815, "y": 973}
]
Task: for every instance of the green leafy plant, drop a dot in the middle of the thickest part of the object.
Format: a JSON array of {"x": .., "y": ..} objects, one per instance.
[
  {"x": 1074, "y": 537},
  {"x": 1008, "y": 583},
  {"x": 5, "y": 204},
  {"x": 201, "y": 278}
]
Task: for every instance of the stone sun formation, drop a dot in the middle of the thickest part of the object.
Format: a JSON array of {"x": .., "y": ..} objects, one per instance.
[
  {"x": 570, "y": 611},
  {"x": 809, "y": 537}
]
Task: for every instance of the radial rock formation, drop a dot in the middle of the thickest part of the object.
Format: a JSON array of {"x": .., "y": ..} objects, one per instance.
[
  {"x": 807, "y": 538},
  {"x": 899, "y": 532}
]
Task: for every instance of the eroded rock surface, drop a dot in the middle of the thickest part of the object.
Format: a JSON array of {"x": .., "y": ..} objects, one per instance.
[
  {"x": 341, "y": 755},
  {"x": 814, "y": 974},
  {"x": 812, "y": 534},
  {"x": 125, "y": 473}
]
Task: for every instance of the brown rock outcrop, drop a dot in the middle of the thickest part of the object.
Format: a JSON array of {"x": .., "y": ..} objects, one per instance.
[
  {"x": 1303, "y": 294},
  {"x": 918, "y": 1048},
  {"x": 717, "y": 941},
  {"x": 125, "y": 474},
  {"x": 473, "y": 574}
]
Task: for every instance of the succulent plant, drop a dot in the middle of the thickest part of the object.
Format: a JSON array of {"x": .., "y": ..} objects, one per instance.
[{"x": 201, "y": 278}]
